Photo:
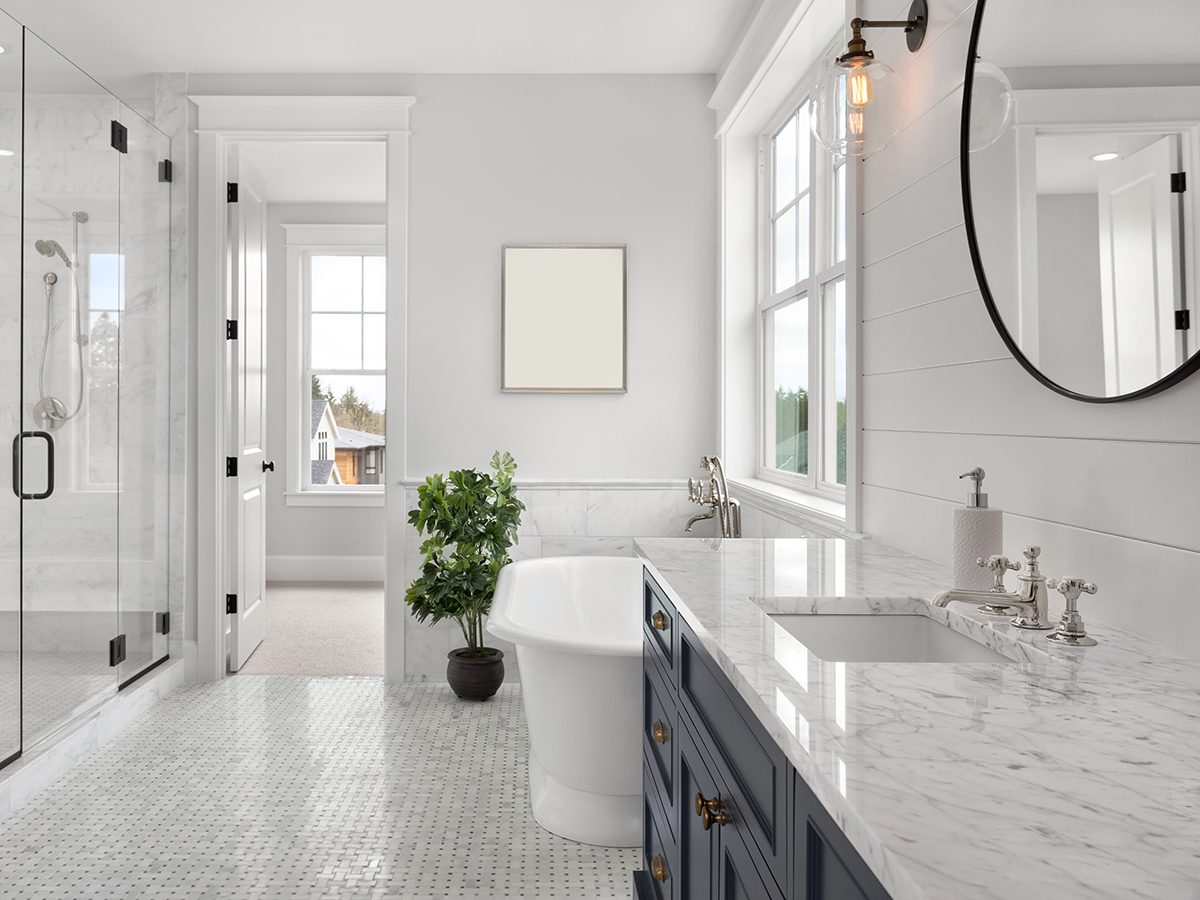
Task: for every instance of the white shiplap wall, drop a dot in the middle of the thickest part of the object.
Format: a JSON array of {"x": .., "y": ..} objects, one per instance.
[{"x": 1111, "y": 492}]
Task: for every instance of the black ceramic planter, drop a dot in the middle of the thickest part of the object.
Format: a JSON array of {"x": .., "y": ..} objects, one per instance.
[{"x": 475, "y": 677}]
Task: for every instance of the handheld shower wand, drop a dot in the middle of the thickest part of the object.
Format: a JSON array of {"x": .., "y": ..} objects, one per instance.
[
  {"x": 52, "y": 248},
  {"x": 51, "y": 411}
]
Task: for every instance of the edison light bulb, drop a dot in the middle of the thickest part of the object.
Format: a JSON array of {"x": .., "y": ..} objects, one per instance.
[
  {"x": 859, "y": 91},
  {"x": 857, "y": 122}
]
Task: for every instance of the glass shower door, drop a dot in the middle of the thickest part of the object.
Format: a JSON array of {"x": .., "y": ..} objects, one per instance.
[
  {"x": 10, "y": 388},
  {"x": 145, "y": 208},
  {"x": 72, "y": 323}
]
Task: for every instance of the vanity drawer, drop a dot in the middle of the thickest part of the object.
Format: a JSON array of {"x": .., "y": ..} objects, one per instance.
[
  {"x": 660, "y": 620},
  {"x": 658, "y": 735},
  {"x": 746, "y": 759},
  {"x": 658, "y": 848}
]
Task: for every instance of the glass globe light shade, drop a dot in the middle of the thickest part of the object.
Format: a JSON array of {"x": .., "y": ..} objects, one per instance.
[
  {"x": 857, "y": 106},
  {"x": 992, "y": 106}
]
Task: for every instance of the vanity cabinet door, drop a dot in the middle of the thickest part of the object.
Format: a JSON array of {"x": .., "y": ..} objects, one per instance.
[
  {"x": 697, "y": 846},
  {"x": 741, "y": 877}
]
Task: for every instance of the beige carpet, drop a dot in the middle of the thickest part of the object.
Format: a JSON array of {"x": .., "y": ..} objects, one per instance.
[{"x": 321, "y": 629}]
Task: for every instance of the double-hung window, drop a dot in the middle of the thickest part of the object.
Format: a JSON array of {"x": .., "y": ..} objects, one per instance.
[
  {"x": 345, "y": 369},
  {"x": 802, "y": 308}
]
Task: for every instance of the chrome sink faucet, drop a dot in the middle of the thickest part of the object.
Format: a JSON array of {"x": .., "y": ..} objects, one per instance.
[
  {"x": 716, "y": 498},
  {"x": 1030, "y": 599}
]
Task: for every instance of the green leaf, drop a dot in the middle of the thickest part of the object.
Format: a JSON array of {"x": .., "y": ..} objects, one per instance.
[{"x": 469, "y": 519}]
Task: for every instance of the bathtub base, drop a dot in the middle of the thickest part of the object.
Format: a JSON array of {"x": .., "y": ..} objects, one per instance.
[{"x": 606, "y": 820}]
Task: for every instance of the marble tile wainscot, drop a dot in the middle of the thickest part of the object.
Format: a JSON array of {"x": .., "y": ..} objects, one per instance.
[{"x": 1065, "y": 773}]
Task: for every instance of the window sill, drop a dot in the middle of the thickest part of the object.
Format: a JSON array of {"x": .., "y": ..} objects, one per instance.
[
  {"x": 792, "y": 505},
  {"x": 333, "y": 498}
]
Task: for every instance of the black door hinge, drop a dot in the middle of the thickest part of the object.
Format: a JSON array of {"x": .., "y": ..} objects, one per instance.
[
  {"x": 230, "y": 466},
  {"x": 162, "y": 623},
  {"x": 231, "y": 329},
  {"x": 231, "y": 191},
  {"x": 1178, "y": 182},
  {"x": 230, "y": 604},
  {"x": 1183, "y": 319},
  {"x": 120, "y": 137},
  {"x": 116, "y": 650},
  {"x": 165, "y": 170}
]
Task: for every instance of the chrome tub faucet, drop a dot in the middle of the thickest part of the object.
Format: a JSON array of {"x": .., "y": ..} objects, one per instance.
[{"x": 727, "y": 510}]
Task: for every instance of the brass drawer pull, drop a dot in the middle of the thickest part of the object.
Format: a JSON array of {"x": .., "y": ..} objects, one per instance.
[
  {"x": 720, "y": 817},
  {"x": 658, "y": 868},
  {"x": 710, "y": 812},
  {"x": 659, "y": 732},
  {"x": 659, "y": 621}
]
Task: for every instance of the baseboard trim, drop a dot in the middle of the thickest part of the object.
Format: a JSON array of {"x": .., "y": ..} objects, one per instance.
[{"x": 325, "y": 568}]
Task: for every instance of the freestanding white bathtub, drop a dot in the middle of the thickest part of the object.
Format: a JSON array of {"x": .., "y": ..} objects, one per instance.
[{"x": 576, "y": 624}]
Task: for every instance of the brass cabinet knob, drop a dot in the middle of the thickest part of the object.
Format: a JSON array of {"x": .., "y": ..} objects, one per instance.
[
  {"x": 659, "y": 732},
  {"x": 720, "y": 817},
  {"x": 710, "y": 812},
  {"x": 659, "y": 621},
  {"x": 658, "y": 868}
]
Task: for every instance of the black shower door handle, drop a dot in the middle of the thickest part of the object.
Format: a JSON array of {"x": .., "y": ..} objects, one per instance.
[{"x": 18, "y": 479}]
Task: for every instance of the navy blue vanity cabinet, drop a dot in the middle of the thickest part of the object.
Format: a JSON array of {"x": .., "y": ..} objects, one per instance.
[
  {"x": 826, "y": 866},
  {"x": 727, "y": 816}
]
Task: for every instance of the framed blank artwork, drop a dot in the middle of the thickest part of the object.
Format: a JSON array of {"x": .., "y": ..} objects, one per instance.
[{"x": 563, "y": 318}]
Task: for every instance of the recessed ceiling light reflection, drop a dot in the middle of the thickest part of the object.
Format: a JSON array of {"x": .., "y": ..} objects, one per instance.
[
  {"x": 7, "y": 153},
  {"x": 1106, "y": 157}
]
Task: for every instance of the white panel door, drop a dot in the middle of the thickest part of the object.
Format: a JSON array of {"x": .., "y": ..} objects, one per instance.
[
  {"x": 247, "y": 526},
  {"x": 1141, "y": 266}
]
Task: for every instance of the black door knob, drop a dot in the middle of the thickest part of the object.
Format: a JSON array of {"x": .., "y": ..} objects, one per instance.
[{"x": 269, "y": 466}]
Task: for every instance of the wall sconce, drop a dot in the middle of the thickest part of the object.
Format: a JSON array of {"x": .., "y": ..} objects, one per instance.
[{"x": 857, "y": 102}]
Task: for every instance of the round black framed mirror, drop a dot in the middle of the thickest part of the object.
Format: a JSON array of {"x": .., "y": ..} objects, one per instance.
[{"x": 1078, "y": 142}]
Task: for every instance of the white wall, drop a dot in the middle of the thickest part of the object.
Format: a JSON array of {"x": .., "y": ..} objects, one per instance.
[
  {"x": 558, "y": 159},
  {"x": 1108, "y": 490},
  {"x": 304, "y": 530},
  {"x": 562, "y": 160}
]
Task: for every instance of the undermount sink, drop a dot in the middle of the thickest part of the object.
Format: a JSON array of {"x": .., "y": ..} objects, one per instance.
[{"x": 884, "y": 638}]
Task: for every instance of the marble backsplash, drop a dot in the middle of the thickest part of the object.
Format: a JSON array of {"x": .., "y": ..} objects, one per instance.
[{"x": 588, "y": 519}]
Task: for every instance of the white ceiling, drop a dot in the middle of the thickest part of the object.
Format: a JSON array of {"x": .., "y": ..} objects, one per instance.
[
  {"x": 1090, "y": 32},
  {"x": 120, "y": 42},
  {"x": 1065, "y": 164},
  {"x": 316, "y": 172}
]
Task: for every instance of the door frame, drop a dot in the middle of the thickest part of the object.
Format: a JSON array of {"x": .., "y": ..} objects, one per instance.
[{"x": 222, "y": 121}]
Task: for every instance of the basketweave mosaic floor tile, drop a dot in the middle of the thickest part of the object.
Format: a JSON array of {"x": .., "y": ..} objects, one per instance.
[{"x": 278, "y": 787}]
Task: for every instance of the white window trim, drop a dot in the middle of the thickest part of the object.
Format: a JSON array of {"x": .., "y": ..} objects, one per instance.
[
  {"x": 301, "y": 241},
  {"x": 821, "y": 274}
]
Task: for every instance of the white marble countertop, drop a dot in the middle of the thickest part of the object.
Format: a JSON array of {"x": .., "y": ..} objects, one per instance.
[{"x": 1067, "y": 773}]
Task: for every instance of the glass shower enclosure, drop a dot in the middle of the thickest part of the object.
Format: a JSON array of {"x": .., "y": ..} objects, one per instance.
[{"x": 84, "y": 374}]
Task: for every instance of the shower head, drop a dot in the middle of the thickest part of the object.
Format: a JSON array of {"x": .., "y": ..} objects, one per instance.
[{"x": 52, "y": 248}]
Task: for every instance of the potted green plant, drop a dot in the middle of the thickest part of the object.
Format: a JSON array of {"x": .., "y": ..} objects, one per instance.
[{"x": 469, "y": 520}]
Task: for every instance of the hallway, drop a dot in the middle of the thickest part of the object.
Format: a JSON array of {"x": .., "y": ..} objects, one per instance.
[
  {"x": 321, "y": 628},
  {"x": 289, "y": 787}
]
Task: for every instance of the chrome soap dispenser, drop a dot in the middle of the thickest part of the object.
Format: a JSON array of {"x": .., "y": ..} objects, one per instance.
[{"x": 978, "y": 534}]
